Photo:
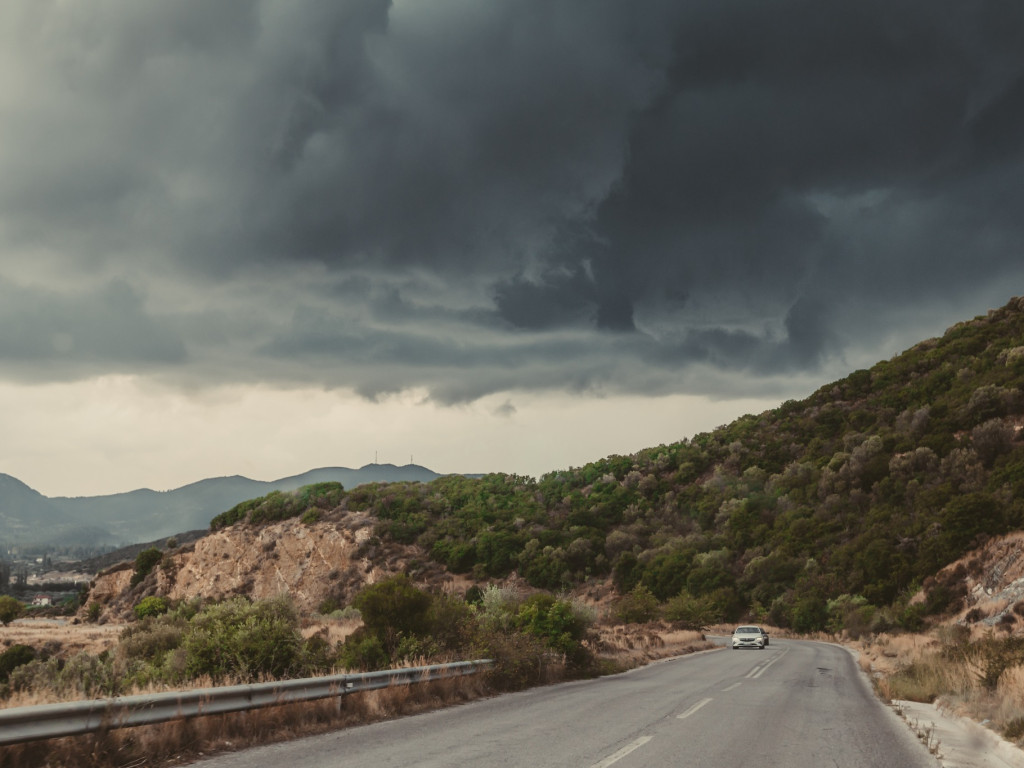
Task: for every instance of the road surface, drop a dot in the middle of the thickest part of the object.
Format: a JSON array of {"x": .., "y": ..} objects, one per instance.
[{"x": 793, "y": 705}]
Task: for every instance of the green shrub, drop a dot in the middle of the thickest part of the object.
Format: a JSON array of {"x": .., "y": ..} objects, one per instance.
[
  {"x": 498, "y": 608},
  {"x": 559, "y": 624},
  {"x": 452, "y": 622},
  {"x": 151, "y": 606},
  {"x": 636, "y": 607},
  {"x": 310, "y": 516},
  {"x": 810, "y": 614},
  {"x": 14, "y": 657},
  {"x": 82, "y": 676},
  {"x": 318, "y": 656},
  {"x": 150, "y": 639},
  {"x": 328, "y": 606},
  {"x": 852, "y": 613},
  {"x": 244, "y": 640},
  {"x": 520, "y": 660},
  {"x": 912, "y": 618},
  {"x": 363, "y": 650},
  {"x": 145, "y": 562},
  {"x": 307, "y": 501},
  {"x": 348, "y": 613},
  {"x": 394, "y": 608},
  {"x": 10, "y": 609},
  {"x": 694, "y": 613}
]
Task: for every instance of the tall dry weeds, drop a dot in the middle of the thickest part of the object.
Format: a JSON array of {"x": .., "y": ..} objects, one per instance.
[
  {"x": 975, "y": 674},
  {"x": 190, "y": 738}
]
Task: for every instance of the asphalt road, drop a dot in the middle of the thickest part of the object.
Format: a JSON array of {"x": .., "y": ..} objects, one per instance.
[{"x": 795, "y": 704}]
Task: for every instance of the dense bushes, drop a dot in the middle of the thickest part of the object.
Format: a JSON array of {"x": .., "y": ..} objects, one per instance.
[
  {"x": 238, "y": 640},
  {"x": 243, "y": 640},
  {"x": 232, "y": 641},
  {"x": 280, "y": 505},
  {"x": 403, "y": 623},
  {"x": 14, "y": 657},
  {"x": 867, "y": 487}
]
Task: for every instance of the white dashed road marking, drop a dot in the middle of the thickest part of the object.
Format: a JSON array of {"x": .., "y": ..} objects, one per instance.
[
  {"x": 611, "y": 759},
  {"x": 694, "y": 708}
]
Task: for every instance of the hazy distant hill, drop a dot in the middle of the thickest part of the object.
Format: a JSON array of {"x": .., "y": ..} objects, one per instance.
[
  {"x": 22, "y": 509},
  {"x": 28, "y": 517}
]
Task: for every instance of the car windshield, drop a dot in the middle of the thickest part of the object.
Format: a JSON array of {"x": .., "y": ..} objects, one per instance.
[{"x": 748, "y": 631}]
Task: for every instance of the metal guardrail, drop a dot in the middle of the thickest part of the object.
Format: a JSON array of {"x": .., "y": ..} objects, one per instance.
[{"x": 49, "y": 721}]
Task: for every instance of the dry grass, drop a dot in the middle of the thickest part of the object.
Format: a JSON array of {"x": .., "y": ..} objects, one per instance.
[
  {"x": 183, "y": 741},
  {"x": 334, "y": 631},
  {"x": 63, "y": 639},
  {"x": 633, "y": 645},
  {"x": 949, "y": 666}
]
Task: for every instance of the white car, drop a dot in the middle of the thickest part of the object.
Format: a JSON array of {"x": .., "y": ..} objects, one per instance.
[{"x": 749, "y": 636}]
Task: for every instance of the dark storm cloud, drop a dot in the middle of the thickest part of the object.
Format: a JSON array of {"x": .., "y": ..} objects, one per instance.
[
  {"x": 470, "y": 197},
  {"x": 95, "y": 331}
]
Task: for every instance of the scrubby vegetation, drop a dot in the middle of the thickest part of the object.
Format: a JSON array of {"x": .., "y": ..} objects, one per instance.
[
  {"x": 239, "y": 640},
  {"x": 825, "y": 512},
  {"x": 281, "y": 505},
  {"x": 145, "y": 562}
]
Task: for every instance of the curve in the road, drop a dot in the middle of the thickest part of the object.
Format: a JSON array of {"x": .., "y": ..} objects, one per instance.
[{"x": 796, "y": 704}]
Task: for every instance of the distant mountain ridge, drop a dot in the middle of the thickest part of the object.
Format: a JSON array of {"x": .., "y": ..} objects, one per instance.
[{"x": 29, "y": 518}]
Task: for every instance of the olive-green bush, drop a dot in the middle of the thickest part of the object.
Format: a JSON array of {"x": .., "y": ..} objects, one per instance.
[
  {"x": 243, "y": 640},
  {"x": 145, "y": 562},
  {"x": 151, "y": 606},
  {"x": 10, "y": 609},
  {"x": 14, "y": 657}
]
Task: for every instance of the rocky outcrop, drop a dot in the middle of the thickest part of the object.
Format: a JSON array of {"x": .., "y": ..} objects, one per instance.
[
  {"x": 311, "y": 563},
  {"x": 992, "y": 579}
]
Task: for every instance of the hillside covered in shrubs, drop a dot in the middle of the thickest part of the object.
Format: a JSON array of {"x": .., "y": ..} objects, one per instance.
[{"x": 837, "y": 507}]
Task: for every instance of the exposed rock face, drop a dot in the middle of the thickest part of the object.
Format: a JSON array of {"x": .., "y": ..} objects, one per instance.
[
  {"x": 993, "y": 579},
  {"x": 285, "y": 558},
  {"x": 109, "y": 586},
  {"x": 310, "y": 563},
  {"x": 996, "y": 576}
]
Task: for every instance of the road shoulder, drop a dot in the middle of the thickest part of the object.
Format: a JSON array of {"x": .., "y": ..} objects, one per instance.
[{"x": 958, "y": 741}]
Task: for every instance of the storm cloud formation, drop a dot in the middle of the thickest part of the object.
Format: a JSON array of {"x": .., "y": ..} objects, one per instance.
[{"x": 474, "y": 197}]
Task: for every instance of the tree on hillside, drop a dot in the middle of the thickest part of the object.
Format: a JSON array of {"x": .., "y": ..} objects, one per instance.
[{"x": 10, "y": 609}]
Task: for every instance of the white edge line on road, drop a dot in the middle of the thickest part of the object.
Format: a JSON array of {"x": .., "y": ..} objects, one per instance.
[
  {"x": 622, "y": 752},
  {"x": 693, "y": 709},
  {"x": 732, "y": 687}
]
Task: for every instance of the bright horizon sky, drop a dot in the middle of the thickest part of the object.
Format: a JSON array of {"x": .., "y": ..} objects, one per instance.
[
  {"x": 287, "y": 433},
  {"x": 257, "y": 237}
]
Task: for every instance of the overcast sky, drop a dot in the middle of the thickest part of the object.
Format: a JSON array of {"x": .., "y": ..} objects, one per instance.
[{"x": 244, "y": 237}]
